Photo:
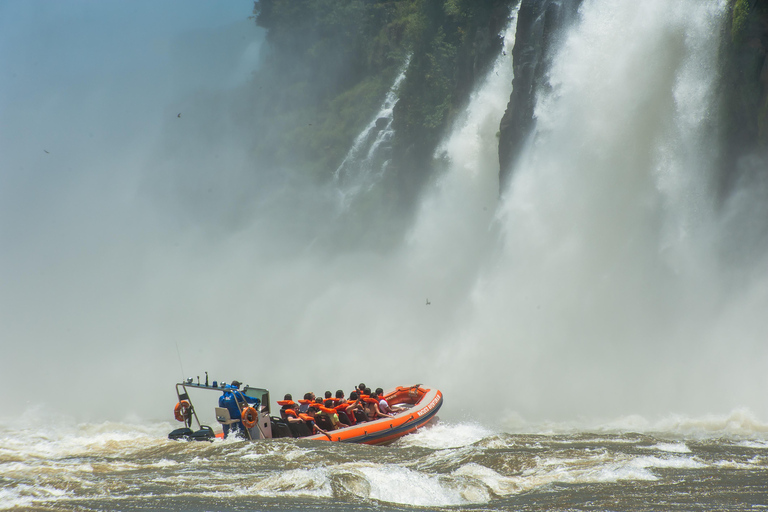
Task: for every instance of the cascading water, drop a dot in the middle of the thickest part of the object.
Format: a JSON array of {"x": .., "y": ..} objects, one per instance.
[
  {"x": 367, "y": 160},
  {"x": 606, "y": 295}
]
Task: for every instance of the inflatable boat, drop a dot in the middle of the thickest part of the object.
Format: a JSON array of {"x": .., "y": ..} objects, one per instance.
[{"x": 412, "y": 407}]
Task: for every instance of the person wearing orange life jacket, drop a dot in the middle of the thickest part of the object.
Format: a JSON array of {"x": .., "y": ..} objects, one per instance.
[
  {"x": 327, "y": 415},
  {"x": 372, "y": 408},
  {"x": 287, "y": 404},
  {"x": 304, "y": 404},
  {"x": 355, "y": 410},
  {"x": 290, "y": 413},
  {"x": 312, "y": 412},
  {"x": 341, "y": 405}
]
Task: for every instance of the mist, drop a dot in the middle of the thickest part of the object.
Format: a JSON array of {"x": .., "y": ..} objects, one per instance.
[{"x": 142, "y": 240}]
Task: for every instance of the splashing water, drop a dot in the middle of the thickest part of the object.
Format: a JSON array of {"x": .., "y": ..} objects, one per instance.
[{"x": 607, "y": 293}]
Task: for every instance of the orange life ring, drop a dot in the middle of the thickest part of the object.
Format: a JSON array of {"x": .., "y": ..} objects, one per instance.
[
  {"x": 182, "y": 411},
  {"x": 249, "y": 417}
]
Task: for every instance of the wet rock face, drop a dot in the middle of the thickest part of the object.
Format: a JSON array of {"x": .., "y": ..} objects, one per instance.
[
  {"x": 744, "y": 116},
  {"x": 539, "y": 24}
]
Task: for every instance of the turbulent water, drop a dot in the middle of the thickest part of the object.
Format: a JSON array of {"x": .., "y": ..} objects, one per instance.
[{"x": 713, "y": 464}]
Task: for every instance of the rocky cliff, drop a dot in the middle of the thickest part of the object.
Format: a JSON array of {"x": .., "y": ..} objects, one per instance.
[
  {"x": 744, "y": 105},
  {"x": 330, "y": 62},
  {"x": 539, "y": 24}
]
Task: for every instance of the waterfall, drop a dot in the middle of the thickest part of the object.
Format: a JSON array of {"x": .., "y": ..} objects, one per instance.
[
  {"x": 599, "y": 286},
  {"x": 461, "y": 207},
  {"x": 367, "y": 159}
]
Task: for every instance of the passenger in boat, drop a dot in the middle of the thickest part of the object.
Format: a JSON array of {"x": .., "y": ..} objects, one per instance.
[
  {"x": 340, "y": 405},
  {"x": 372, "y": 408},
  {"x": 296, "y": 420},
  {"x": 304, "y": 404},
  {"x": 287, "y": 404},
  {"x": 312, "y": 412},
  {"x": 355, "y": 409},
  {"x": 327, "y": 415},
  {"x": 293, "y": 416},
  {"x": 383, "y": 404}
]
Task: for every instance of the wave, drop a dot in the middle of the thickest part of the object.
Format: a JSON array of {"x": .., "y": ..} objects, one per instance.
[
  {"x": 443, "y": 466},
  {"x": 739, "y": 422}
]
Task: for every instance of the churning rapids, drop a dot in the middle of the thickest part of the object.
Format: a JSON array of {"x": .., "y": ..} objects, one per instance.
[
  {"x": 714, "y": 464},
  {"x": 608, "y": 280}
]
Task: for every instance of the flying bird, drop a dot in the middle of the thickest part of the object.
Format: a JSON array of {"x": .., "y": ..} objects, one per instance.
[
  {"x": 46, "y": 151},
  {"x": 428, "y": 303},
  {"x": 179, "y": 115}
]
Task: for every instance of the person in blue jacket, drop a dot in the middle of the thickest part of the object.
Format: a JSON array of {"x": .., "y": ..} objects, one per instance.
[{"x": 234, "y": 401}]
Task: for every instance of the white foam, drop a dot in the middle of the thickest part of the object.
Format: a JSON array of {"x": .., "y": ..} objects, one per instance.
[
  {"x": 598, "y": 469},
  {"x": 296, "y": 482},
  {"x": 26, "y": 495},
  {"x": 672, "y": 462},
  {"x": 444, "y": 435},
  {"x": 395, "y": 484},
  {"x": 51, "y": 441},
  {"x": 760, "y": 445},
  {"x": 732, "y": 464},
  {"x": 499, "y": 484},
  {"x": 737, "y": 423},
  {"x": 672, "y": 447}
]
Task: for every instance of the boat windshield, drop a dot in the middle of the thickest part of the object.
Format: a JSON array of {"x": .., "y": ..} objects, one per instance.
[{"x": 260, "y": 393}]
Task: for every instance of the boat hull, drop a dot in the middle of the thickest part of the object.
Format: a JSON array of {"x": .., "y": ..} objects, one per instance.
[{"x": 386, "y": 430}]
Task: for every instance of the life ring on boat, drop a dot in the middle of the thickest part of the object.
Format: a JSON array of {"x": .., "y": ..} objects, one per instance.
[
  {"x": 182, "y": 410},
  {"x": 249, "y": 417}
]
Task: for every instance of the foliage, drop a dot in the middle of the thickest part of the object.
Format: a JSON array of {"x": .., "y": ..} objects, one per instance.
[
  {"x": 331, "y": 62},
  {"x": 740, "y": 20}
]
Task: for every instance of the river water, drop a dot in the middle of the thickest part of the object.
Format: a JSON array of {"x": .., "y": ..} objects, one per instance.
[{"x": 694, "y": 464}]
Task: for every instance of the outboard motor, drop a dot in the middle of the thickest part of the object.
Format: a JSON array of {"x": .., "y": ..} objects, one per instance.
[
  {"x": 204, "y": 434},
  {"x": 181, "y": 433}
]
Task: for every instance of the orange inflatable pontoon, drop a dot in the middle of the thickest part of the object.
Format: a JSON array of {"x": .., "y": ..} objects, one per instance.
[{"x": 413, "y": 407}]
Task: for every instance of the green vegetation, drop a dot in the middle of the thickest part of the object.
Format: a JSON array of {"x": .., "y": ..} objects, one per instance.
[
  {"x": 744, "y": 93},
  {"x": 740, "y": 20},
  {"x": 331, "y": 62}
]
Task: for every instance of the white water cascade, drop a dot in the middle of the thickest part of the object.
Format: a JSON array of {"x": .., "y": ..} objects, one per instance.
[
  {"x": 609, "y": 292},
  {"x": 367, "y": 161}
]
